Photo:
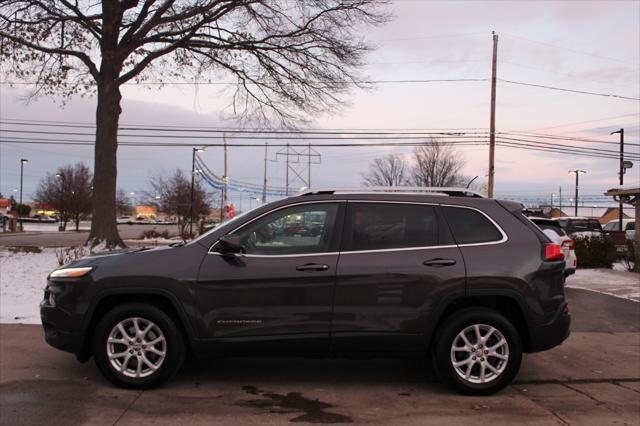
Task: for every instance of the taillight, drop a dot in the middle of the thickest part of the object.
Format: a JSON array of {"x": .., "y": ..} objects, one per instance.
[
  {"x": 553, "y": 252},
  {"x": 568, "y": 244}
]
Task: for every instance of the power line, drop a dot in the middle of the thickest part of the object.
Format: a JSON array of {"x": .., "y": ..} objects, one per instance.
[
  {"x": 529, "y": 146},
  {"x": 583, "y": 92},
  {"x": 441, "y": 80},
  {"x": 342, "y": 134},
  {"x": 585, "y": 122},
  {"x": 542, "y": 43}
]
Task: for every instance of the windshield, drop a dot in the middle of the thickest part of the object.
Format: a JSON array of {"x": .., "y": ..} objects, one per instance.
[{"x": 611, "y": 226}]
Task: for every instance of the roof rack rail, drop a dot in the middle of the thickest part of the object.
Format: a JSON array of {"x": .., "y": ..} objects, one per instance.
[{"x": 433, "y": 190}]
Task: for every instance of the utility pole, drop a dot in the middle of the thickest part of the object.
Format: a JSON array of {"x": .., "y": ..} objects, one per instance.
[
  {"x": 225, "y": 178},
  {"x": 226, "y": 175},
  {"x": 560, "y": 199},
  {"x": 492, "y": 117},
  {"x": 193, "y": 177},
  {"x": 309, "y": 168},
  {"x": 23, "y": 161},
  {"x": 287, "y": 173},
  {"x": 264, "y": 180},
  {"x": 577, "y": 173},
  {"x": 621, "y": 174},
  {"x": 313, "y": 157}
]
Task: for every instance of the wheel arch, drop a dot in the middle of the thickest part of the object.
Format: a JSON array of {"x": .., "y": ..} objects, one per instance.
[
  {"x": 506, "y": 303},
  {"x": 156, "y": 297}
]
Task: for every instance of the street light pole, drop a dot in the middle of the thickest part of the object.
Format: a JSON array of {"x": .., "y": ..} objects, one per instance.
[
  {"x": 193, "y": 177},
  {"x": 577, "y": 173},
  {"x": 23, "y": 161},
  {"x": 621, "y": 174}
]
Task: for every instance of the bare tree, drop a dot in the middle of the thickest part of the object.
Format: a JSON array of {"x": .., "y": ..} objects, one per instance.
[
  {"x": 172, "y": 195},
  {"x": 390, "y": 170},
  {"x": 123, "y": 204},
  {"x": 288, "y": 59},
  {"x": 437, "y": 164},
  {"x": 68, "y": 191}
]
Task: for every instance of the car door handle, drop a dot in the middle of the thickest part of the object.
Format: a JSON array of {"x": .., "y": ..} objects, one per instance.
[
  {"x": 439, "y": 262},
  {"x": 312, "y": 267}
]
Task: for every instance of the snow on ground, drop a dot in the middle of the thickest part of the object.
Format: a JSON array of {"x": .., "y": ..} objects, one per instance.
[
  {"x": 53, "y": 227},
  {"x": 22, "y": 280},
  {"x": 616, "y": 282},
  {"x": 23, "y": 275}
]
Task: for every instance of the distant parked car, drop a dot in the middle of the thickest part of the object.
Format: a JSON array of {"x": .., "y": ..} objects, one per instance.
[
  {"x": 580, "y": 226},
  {"x": 628, "y": 225},
  {"x": 125, "y": 219},
  {"x": 554, "y": 231},
  {"x": 44, "y": 218}
]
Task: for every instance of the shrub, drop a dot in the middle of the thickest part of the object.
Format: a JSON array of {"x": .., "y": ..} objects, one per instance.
[
  {"x": 595, "y": 252},
  {"x": 629, "y": 256},
  {"x": 25, "y": 249},
  {"x": 69, "y": 254},
  {"x": 152, "y": 234}
]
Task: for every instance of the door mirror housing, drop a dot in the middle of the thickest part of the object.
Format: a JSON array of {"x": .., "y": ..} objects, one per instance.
[{"x": 230, "y": 243}]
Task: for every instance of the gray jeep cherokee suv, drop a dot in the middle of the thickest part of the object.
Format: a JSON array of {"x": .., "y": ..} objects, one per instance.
[{"x": 444, "y": 273}]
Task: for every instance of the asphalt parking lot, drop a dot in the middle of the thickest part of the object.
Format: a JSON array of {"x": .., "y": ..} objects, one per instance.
[{"x": 593, "y": 378}]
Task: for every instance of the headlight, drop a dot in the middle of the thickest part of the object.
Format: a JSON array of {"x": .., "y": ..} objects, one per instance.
[{"x": 71, "y": 272}]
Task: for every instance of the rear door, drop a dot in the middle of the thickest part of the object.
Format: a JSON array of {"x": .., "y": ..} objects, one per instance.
[{"x": 397, "y": 265}]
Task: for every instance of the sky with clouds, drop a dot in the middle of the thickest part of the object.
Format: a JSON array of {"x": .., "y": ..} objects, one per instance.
[{"x": 591, "y": 46}]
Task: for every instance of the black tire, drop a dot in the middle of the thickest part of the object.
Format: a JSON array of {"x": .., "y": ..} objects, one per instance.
[
  {"x": 448, "y": 332},
  {"x": 173, "y": 346}
]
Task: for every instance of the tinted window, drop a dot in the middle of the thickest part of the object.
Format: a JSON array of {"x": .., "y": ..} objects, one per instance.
[
  {"x": 631, "y": 226},
  {"x": 550, "y": 225},
  {"x": 594, "y": 225},
  {"x": 470, "y": 226},
  {"x": 378, "y": 226},
  {"x": 299, "y": 229}
]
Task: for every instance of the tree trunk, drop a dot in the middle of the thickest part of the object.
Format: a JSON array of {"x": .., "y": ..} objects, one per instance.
[
  {"x": 77, "y": 223},
  {"x": 103, "y": 223}
]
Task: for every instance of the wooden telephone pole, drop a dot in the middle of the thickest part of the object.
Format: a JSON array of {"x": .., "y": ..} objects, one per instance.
[{"x": 492, "y": 118}]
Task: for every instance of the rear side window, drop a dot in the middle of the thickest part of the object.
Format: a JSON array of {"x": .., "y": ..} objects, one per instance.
[
  {"x": 380, "y": 226},
  {"x": 470, "y": 226},
  {"x": 547, "y": 227},
  {"x": 594, "y": 225},
  {"x": 631, "y": 226}
]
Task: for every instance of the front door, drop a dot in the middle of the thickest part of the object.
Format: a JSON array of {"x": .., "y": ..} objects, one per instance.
[
  {"x": 278, "y": 293},
  {"x": 398, "y": 265}
]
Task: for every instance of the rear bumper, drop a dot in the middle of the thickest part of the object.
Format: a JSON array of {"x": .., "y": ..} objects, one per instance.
[{"x": 552, "y": 334}]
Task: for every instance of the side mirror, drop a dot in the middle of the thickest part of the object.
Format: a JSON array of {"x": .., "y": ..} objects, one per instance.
[{"x": 230, "y": 243}]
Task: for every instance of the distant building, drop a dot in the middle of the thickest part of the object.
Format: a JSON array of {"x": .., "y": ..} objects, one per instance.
[
  {"x": 146, "y": 212},
  {"x": 5, "y": 206},
  {"x": 612, "y": 213}
]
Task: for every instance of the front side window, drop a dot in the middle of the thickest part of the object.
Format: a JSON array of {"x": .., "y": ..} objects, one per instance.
[
  {"x": 302, "y": 229},
  {"x": 470, "y": 226},
  {"x": 381, "y": 226}
]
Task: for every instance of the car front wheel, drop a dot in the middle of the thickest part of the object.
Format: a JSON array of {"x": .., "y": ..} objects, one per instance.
[
  {"x": 138, "y": 346},
  {"x": 477, "y": 351}
]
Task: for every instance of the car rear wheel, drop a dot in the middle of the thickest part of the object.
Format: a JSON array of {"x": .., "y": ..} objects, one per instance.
[
  {"x": 138, "y": 346},
  {"x": 477, "y": 351}
]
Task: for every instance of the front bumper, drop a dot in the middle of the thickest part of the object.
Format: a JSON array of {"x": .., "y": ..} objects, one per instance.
[
  {"x": 58, "y": 312},
  {"x": 551, "y": 334},
  {"x": 56, "y": 333}
]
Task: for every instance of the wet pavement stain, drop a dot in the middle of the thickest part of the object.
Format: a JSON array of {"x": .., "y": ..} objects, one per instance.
[{"x": 313, "y": 410}]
